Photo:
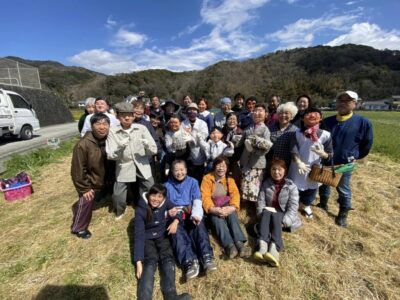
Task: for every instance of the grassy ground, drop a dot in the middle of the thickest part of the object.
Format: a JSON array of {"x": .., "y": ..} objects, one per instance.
[
  {"x": 40, "y": 259},
  {"x": 77, "y": 113}
]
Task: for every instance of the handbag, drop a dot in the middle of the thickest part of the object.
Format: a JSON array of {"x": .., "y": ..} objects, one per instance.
[
  {"x": 221, "y": 201},
  {"x": 325, "y": 175}
]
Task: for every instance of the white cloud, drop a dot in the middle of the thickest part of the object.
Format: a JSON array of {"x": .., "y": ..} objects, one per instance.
[
  {"x": 291, "y": 1},
  {"x": 125, "y": 38},
  {"x": 230, "y": 14},
  {"x": 302, "y": 32},
  {"x": 104, "y": 61},
  {"x": 227, "y": 39},
  {"x": 370, "y": 35},
  {"x": 110, "y": 23}
]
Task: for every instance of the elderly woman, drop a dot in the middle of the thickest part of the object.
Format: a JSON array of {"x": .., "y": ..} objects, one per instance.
[
  {"x": 282, "y": 132},
  {"x": 221, "y": 201},
  {"x": 256, "y": 139},
  {"x": 89, "y": 109},
  {"x": 277, "y": 206},
  {"x": 191, "y": 242},
  {"x": 302, "y": 102},
  {"x": 233, "y": 133}
]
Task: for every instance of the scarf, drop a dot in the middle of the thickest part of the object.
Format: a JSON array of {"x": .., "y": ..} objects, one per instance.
[
  {"x": 340, "y": 118},
  {"x": 311, "y": 133},
  {"x": 278, "y": 187}
]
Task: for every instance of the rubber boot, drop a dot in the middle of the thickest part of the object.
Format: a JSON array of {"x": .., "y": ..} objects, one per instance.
[
  {"x": 341, "y": 219},
  {"x": 323, "y": 203},
  {"x": 262, "y": 249}
]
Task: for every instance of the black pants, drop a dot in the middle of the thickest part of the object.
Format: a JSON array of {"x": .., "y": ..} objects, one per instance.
[
  {"x": 271, "y": 228},
  {"x": 157, "y": 252}
]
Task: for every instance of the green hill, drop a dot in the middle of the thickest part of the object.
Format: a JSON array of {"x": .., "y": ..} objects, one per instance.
[{"x": 320, "y": 71}]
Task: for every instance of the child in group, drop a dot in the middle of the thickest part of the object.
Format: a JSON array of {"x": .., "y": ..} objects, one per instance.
[
  {"x": 215, "y": 147},
  {"x": 152, "y": 245},
  {"x": 310, "y": 146},
  {"x": 277, "y": 206},
  {"x": 191, "y": 242}
]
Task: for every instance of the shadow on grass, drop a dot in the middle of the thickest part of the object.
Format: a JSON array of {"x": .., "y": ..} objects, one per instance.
[{"x": 72, "y": 291}]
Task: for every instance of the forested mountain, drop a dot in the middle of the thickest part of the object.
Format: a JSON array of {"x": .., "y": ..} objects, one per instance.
[{"x": 321, "y": 71}]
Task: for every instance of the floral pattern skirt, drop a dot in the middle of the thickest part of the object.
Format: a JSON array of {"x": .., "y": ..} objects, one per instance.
[{"x": 251, "y": 184}]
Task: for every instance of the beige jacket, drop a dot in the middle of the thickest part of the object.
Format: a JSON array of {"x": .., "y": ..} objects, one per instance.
[{"x": 131, "y": 149}]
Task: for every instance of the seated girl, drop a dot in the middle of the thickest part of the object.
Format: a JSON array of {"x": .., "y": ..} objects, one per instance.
[
  {"x": 152, "y": 246},
  {"x": 277, "y": 206},
  {"x": 221, "y": 201},
  {"x": 191, "y": 242}
]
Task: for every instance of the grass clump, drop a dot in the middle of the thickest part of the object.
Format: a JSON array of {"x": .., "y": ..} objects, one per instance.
[{"x": 33, "y": 162}]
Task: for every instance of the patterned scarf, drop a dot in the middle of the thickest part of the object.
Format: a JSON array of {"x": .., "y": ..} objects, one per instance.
[{"x": 311, "y": 133}]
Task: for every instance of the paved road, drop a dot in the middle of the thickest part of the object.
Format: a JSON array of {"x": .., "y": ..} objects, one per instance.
[{"x": 10, "y": 146}]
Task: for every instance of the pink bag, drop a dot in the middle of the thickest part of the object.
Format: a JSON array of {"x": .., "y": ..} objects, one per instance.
[{"x": 221, "y": 201}]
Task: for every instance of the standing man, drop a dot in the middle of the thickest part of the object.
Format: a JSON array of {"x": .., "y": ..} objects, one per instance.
[
  {"x": 100, "y": 106},
  {"x": 88, "y": 171},
  {"x": 352, "y": 139},
  {"x": 132, "y": 146},
  {"x": 239, "y": 103},
  {"x": 273, "y": 104}
]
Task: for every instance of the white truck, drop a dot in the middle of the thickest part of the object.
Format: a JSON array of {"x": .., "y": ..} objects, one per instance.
[{"x": 17, "y": 116}]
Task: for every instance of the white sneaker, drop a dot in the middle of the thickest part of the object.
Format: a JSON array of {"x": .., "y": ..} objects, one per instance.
[
  {"x": 308, "y": 212},
  {"x": 117, "y": 218}
]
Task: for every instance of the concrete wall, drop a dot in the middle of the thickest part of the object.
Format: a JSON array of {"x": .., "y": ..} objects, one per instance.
[{"x": 49, "y": 107}]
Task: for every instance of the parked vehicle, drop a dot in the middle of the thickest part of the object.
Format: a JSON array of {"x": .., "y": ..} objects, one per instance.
[{"x": 17, "y": 116}]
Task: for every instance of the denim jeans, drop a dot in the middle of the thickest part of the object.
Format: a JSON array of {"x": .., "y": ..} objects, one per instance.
[
  {"x": 343, "y": 189},
  {"x": 227, "y": 229},
  {"x": 270, "y": 228},
  {"x": 191, "y": 242},
  {"x": 157, "y": 252},
  {"x": 307, "y": 197}
]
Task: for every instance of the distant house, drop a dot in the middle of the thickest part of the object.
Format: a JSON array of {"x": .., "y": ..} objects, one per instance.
[{"x": 384, "y": 104}]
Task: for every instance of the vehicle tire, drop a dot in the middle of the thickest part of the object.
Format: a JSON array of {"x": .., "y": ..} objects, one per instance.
[{"x": 26, "y": 132}]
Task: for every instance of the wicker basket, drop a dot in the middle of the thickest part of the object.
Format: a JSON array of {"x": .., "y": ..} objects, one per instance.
[{"x": 325, "y": 175}]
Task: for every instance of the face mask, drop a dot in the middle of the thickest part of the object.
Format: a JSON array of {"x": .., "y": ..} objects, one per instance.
[{"x": 192, "y": 114}]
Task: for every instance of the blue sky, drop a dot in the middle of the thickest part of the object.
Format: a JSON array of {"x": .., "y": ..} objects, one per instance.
[{"x": 180, "y": 35}]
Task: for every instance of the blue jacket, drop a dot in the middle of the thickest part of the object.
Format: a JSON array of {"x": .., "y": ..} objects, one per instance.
[
  {"x": 149, "y": 230},
  {"x": 185, "y": 193},
  {"x": 153, "y": 133},
  {"x": 352, "y": 139}
]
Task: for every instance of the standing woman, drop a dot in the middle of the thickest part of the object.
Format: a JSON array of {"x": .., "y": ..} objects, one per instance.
[
  {"x": 233, "y": 133},
  {"x": 204, "y": 113},
  {"x": 282, "y": 133},
  {"x": 303, "y": 102},
  {"x": 221, "y": 201},
  {"x": 310, "y": 146},
  {"x": 89, "y": 109}
]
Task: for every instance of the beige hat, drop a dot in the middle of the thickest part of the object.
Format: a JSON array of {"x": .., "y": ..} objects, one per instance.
[
  {"x": 124, "y": 107},
  {"x": 192, "y": 105}
]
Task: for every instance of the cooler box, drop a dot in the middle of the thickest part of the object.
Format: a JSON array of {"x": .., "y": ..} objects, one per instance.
[{"x": 16, "y": 193}]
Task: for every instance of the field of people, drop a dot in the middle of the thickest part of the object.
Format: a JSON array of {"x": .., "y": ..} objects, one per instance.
[{"x": 40, "y": 259}]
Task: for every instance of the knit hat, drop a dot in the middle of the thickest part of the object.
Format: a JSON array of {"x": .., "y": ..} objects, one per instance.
[{"x": 225, "y": 100}]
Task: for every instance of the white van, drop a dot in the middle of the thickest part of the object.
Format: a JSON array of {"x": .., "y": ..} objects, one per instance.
[{"x": 17, "y": 116}]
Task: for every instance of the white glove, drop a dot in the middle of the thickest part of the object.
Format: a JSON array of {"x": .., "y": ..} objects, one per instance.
[
  {"x": 187, "y": 138},
  {"x": 123, "y": 143},
  {"x": 318, "y": 148},
  {"x": 247, "y": 144},
  {"x": 303, "y": 168},
  {"x": 145, "y": 143},
  {"x": 236, "y": 138},
  {"x": 230, "y": 144}
]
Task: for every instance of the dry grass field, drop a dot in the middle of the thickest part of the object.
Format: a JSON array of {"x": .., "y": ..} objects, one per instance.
[{"x": 40, "y": 259}]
